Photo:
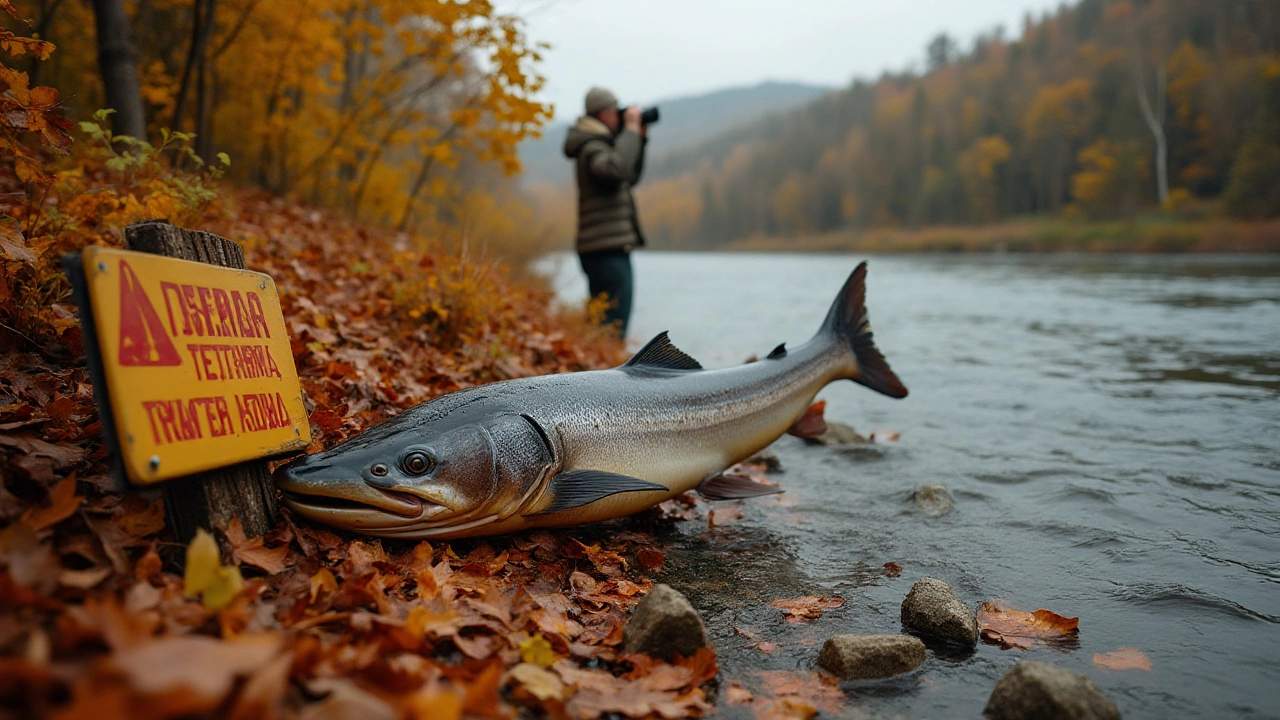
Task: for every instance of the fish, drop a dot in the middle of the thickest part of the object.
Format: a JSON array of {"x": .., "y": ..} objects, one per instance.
[{"x": 574, "y": 448}]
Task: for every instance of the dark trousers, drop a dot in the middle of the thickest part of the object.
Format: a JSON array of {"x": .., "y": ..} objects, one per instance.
[{"x": 609, "y": 273}]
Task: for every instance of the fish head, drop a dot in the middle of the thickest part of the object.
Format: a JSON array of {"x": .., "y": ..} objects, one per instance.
[{"x": 423, "y": 480}]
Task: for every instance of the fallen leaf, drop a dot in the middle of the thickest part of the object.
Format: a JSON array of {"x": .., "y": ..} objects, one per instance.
[
  {"x": 194, "y": 673},
  {"x": 206, "y": 576},
  {"x": 144, "y": 522},
  {"x": 763, "y": 646},
  {"x": 809, "y": 607},
  {"x": 262, "y": 697},
  {"x": 538, "y": 681},
  {"x": 344, "y": 699},
  {"x": 13, "y": 244},
  {"x": 84, "y": 579},
  {"x": 737, "y": 695},
  {"x": 1009, "y": 628},
  {"x": 250, "y": 551},
  {"x": 63, "y": 502},
  {"x": 724, "y": 515},
  {"x": 538, "y": 651},
  {"x": 1124, "y": 658},
  {"x": 650, "y": 558}
]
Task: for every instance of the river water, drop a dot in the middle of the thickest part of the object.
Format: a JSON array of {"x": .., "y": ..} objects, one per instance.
[{"x": 1108, "y": 426}]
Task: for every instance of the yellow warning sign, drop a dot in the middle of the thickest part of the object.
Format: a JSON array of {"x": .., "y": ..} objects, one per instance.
[{"x": 197, "y": 363}]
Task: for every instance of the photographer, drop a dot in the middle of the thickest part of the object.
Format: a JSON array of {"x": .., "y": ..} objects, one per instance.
[{"x": 608, "y": 148}]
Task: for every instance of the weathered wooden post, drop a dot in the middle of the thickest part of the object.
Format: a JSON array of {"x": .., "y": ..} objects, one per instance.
[{"x": 193, "y": 373}]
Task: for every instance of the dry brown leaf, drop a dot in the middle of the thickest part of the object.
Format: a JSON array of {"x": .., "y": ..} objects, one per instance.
[
  {"x": 737, "y": 695},
  {"x": 250, "y": 551},
  {"x": 1124, "y": 658},
  {"x": 723, "y": 515},
  {"x": 1009, "y": 628},
  {"x": 809, "y": 607},
  {"x": 63, "y": 502},
  {"x": 200, "y": 669}
]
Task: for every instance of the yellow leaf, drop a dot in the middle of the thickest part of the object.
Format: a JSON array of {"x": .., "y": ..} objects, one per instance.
[
  {"x": 538, "y": 651},
  {"x": 206, "y": 576}
]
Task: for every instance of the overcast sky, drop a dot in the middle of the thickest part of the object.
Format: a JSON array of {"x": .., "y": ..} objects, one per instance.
[{"x": 645, "y": 50}]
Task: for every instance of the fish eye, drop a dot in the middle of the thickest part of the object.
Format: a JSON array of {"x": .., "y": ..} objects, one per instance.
[
  {"x": 379, "y": 469},
  {"x": 417, "y": 463}
]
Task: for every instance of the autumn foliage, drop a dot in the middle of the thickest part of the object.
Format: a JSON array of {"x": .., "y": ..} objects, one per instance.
[{"x": 103, "y": 615}]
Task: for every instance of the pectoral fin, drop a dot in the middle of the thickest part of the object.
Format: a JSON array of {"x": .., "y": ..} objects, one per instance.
[
  {"x": 576, "y": 488},
  {"x": 734, "y": 487}
]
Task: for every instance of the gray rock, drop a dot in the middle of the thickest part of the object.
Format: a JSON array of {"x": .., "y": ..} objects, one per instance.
[
  {"x": 933, "y": 500},
  {"x": 770, "y": 461},
  {"x": 1039, "y": 691},
  {"x": 931, "y": 608},
  {"x": 866, "y": 657},
  {"x": 838, "y": 434},
  {"x": 664, "y": 624}
]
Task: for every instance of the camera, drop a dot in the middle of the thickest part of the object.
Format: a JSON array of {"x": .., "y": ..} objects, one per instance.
[{"x": 648, "y": 116}]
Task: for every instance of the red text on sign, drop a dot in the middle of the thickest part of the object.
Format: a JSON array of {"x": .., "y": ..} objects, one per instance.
[
  {"x": 213, "y": 312},
  {"x": 179, "y": 420},
  {"x": 233, "y": 362}
]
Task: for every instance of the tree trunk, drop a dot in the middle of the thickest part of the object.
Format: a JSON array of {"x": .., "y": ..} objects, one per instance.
[
  {"x": 118, "y": 63},
  {"x": 1155, "y": 122}
]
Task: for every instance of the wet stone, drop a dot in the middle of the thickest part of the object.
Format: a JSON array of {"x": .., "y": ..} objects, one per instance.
[
  {"x": 838, "y": 434},
  {"x": 664, "y": 624},
  {"x": 931, "y": 608},
  {"x": 1042, "y": 691},
  {"x": 933, "y": 500},
  {"x": 868, "y": 657}
]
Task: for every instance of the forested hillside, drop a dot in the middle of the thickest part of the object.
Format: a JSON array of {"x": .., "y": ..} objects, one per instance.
[
  {"x": 402, "y": 113},
  {"x": 1101, "y": 110}
]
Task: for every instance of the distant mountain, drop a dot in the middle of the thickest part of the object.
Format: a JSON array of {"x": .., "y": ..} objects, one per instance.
[{"x": 686, "y": 121}]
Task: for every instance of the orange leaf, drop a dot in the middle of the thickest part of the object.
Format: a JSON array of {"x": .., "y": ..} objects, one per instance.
[
  {"x": 809, "y": 607},
  {"x": 63, "y": 501},
  {"x": 1124, "y": 658},
  {"x": 250, "y": 550},
  {"x": 1009, "y": 628}
]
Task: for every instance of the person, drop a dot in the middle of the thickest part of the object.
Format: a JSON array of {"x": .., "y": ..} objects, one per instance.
[{"x": 607, "y": 147}]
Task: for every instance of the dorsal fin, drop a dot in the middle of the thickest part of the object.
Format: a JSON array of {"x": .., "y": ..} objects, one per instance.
[
  {"x": 660, "y": 353},
  {"x": 780, "y": 351}
]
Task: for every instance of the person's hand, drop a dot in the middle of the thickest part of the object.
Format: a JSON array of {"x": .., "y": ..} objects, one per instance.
[{"x": 631, "y": 119}]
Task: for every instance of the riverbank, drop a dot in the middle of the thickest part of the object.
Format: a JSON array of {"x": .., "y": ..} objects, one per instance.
[{"x": 1144, "y": 234}]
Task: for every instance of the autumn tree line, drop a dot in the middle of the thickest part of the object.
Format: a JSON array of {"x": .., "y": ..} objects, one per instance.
[
  {"x": 401, "y": 112},
  {"x": 1102, "y": 109}
]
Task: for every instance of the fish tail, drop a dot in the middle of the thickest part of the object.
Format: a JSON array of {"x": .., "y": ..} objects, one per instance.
[{"x": 847, "y": 322}]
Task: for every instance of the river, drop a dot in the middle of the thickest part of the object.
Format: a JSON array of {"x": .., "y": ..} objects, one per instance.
[{"x": 1109, "y": 427}]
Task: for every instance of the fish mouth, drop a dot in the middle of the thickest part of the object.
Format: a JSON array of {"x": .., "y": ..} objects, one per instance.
[{"x": 400, "y": 504}]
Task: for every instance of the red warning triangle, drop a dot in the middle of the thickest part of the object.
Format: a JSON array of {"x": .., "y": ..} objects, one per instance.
[{"x": 143, "y": 340}]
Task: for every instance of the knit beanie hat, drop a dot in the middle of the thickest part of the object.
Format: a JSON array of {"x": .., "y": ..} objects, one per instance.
[{"x": 598, "y": 99}]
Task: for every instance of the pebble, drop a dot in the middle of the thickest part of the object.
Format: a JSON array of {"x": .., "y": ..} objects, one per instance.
[
  {"x": 933, "y": 500},
  {"x": 1048, "y": 692},
  {"x": 838, "y": 434},
  {"x": 663, "y": 624},
  {"x": 933, "y": 609},
  {"x": 868, "y": 657}
]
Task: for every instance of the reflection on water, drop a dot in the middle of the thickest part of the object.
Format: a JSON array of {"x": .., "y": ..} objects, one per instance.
[{"x": 1108, "y": 427}]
